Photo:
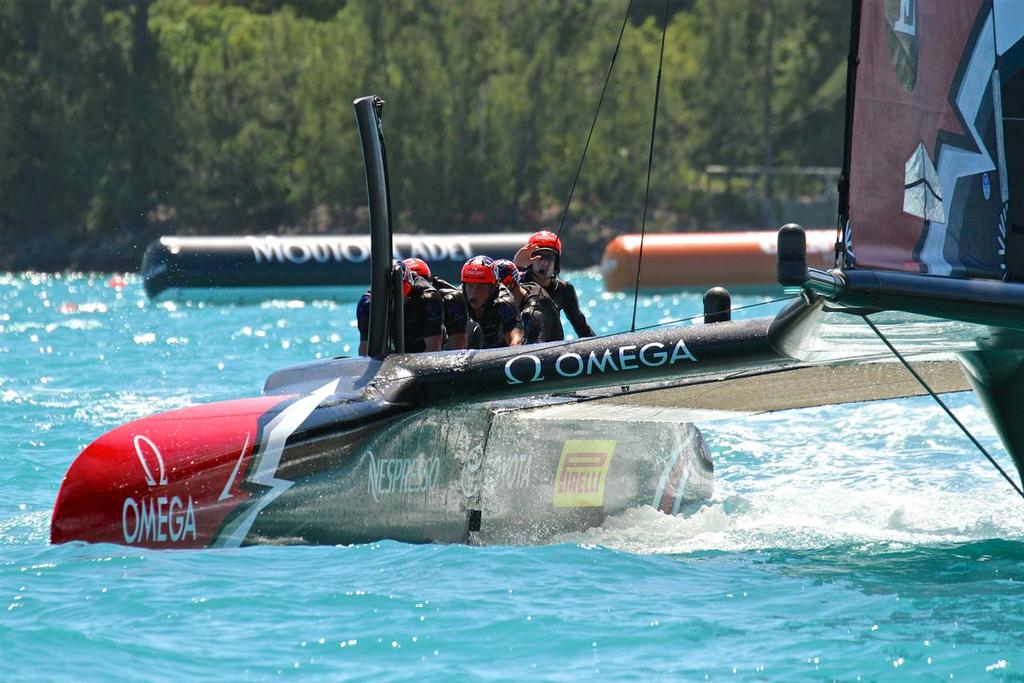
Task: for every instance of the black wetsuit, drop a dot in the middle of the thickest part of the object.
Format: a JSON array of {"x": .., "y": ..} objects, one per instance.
[
  {"x": 499, "y": 318},
  {"x": 454, "y": 304},
  {"x": 564, "y": 296},
  {"x": 424, "y": 315},
  {"x": 540, "y": 315}
]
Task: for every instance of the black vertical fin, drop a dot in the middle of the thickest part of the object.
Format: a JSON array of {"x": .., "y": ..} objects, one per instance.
[{"x": 371, "y": 134}]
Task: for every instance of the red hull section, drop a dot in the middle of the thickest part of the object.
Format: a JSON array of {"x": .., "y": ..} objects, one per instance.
[{"x": 166, "y": 481}]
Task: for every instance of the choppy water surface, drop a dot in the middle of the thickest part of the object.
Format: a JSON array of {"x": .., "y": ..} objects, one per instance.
[{"x": 866, "y": 542}]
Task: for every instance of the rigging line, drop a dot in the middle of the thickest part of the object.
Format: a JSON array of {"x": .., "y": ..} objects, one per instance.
[
  {"x": 650, "y": 164},
  {"x": 942, "y": 404},
  {"x": 607, "y": 78},
  {"x": 701, "y": 315}
]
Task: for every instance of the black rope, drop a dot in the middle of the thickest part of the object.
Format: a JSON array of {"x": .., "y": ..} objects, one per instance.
[
  {"x": 650, "y": 164},
  {"x": 701, "y": 315},
  {"x": 608, "y": 76},
  {"x": 949, "y": 412}
]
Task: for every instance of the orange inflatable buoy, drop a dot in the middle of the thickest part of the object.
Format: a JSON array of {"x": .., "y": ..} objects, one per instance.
[{"x": 703, "y": 259}]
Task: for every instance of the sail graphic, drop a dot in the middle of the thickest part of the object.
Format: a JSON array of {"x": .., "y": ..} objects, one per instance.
[{"x": 936, "y": 128}]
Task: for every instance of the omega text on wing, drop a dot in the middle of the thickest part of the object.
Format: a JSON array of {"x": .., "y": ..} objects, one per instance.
[{"x": 623, "y": 358}]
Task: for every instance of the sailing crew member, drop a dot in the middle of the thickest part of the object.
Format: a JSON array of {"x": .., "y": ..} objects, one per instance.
[
  {"x": 541, "y": 260},
  {"x": 491, "y": 306},
  {"x": 540, "y": 315},
  {"x": 423, "y": 310},
  {"x": 452, "y": 301}
]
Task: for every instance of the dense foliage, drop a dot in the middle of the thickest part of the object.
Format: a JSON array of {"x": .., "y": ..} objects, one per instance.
[{"x": 235, "y": 115}]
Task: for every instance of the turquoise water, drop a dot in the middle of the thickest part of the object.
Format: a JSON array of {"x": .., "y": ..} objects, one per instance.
[{"x": 866, "y": 542}]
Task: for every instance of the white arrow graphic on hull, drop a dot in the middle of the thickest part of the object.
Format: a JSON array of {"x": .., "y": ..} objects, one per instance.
[
  {"x": 268, "y": 457},
  {"x": 226, "y": 493}
]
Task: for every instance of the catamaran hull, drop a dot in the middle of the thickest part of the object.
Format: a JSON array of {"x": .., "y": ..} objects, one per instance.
[{"x": 319, "y": 469}]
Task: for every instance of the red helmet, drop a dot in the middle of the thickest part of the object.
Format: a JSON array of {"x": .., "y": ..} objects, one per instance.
[
  {"x": 507, "y": 272},
  {"x": 418, "y": 266},
  {"x": 545, "y": 240},
  {"x": 480, "y": 270}
]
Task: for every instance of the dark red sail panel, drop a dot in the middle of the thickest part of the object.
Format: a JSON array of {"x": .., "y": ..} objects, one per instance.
[{"x": 928, "y": 190}]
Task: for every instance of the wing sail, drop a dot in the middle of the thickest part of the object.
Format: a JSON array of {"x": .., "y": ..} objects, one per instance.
[{"x": 936, "y": 137}]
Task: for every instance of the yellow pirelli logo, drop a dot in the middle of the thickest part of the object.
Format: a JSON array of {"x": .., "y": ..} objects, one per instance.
[{"x": 582, "y": 470}]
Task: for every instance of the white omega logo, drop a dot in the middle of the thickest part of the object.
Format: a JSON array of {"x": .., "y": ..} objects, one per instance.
[
  {"x": 144, "y": 456},
  {"x": 536, "y": 369}
]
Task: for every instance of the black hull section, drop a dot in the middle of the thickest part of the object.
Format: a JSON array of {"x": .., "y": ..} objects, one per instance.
[
  {"x": 453, "y": 469},
  {"x": 481, "y": 475},
  {"x": 986, "y": 302},
  {"x": 564, "y": 367},
  {"x": 997, "y": 376},
  {"x": 444, "y": 378}
]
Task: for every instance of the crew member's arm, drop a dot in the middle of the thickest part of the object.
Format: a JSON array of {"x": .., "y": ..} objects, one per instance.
[
  {"x": 433, "y": 315},
  {"x": 363, "y": 321},
  {"x": 523, "y": 258},
  {"x": 511, "y": 322},
  {"x": 551, "y": 327},
  {"x": 455, "y": 316},
  {"x": 571, "y": 308},
  {"x": 474, "y": 335},
  {"x": 533, "y": 325}
]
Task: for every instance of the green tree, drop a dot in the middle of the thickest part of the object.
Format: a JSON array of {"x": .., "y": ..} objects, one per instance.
[
  {"x": 237, "y": 113},
  {"x": 82, "y": 120}
]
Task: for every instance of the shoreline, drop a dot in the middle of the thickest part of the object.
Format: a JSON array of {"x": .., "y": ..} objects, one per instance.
[
  {"x": 122, "y": 253},
  {"x": 47, "y": 253}
]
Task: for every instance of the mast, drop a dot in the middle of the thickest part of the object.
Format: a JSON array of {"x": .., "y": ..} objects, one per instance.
[{"x": 852, "y": 61}]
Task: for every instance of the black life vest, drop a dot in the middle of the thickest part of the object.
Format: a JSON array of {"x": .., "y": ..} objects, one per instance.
[{"x": 499, "y": 317}]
